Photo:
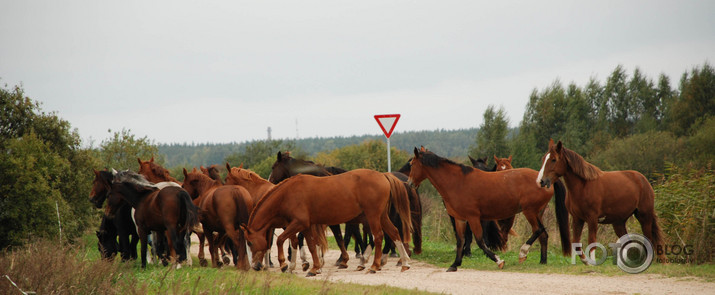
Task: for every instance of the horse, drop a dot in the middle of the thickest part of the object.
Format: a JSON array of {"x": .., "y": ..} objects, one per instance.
[
  {"x": 119, "y": 226},
  {"x": 223, "y": 208},
  {"x": 166, "y": 210},
  {"x": 286, "y": 166},
  {"x": 154, "y": 172},
  {"x": 502, "y": 164},
  {"x": 473, "y": 195},
  {"x": 212, "y": 172},
  {"x": 596, "y": 196},
  {"x": 305, "y": 200}
]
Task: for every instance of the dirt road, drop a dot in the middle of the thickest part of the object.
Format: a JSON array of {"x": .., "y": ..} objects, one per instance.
[{"x": 428, "y": 277}]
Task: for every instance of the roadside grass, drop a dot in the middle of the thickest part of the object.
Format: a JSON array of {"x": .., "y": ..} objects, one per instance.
[{"x": 46, "y": 268}]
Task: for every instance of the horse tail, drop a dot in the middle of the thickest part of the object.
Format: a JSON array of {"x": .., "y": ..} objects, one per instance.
[
  {"x": 318, "y": 233},
  {"x": 491, "y": 235},
  {"x": 416, "y": 216},
  {"x": 192, "y": 215},
  {"x": 401, "y": 201},
  {"x": 562, "y": 217}
]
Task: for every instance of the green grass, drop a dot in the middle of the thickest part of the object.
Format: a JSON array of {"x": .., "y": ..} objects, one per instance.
[{"x": 77, "y": 269}]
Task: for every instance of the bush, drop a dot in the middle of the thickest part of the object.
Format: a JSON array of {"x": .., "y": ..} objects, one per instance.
[
  {"x": 646, "y": 153},
  {"x": 686, "y": 210}
]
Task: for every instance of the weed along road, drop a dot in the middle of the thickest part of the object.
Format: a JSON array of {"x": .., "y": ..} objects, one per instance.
[{"x": 428, "y": 277}]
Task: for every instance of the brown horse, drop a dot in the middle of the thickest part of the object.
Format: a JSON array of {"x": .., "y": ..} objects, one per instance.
[
  {"x": 304, "y": 200},
  {"x": 212, "y": 172},
  {"x": 223, "y": 208},
  {"x": 473, "y": 195},
  {"x": 154, "y": 172},
  {"x": 286, "y": 166},
  {"x": 596, "y": 196},
  {"x": 166, "y": 210},
  {"x": 502, "y": 163}
]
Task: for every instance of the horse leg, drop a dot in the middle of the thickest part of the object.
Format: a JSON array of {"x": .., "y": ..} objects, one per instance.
[
  {"x": 476, "y": 225},
  {"x": 620, "y": 228},
  {"x": 291, "y": 230},
  {"x": 459, "y": 228},
  {"x": 303, "y": 255},
  {"x": 592, "y": 232},
  {"x": 342, "y": 261},
  {"x": 240, "y": 258},
  {"x": 213, "y": 251},
  {"x": 506, "y": 224},
  {"x": 394, "y": 234},
  {"x": 577, "y": 229},
  {"x": 294, "y": 246},
  {"x": 310, "y": 240},
  {"x": 536, "y": 229},
  {"x": 202, "y": 257},
  {"x": 143, "y": 238}
]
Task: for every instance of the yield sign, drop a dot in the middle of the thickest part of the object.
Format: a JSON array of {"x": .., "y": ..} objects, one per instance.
[{"x": 387, "y": 123}]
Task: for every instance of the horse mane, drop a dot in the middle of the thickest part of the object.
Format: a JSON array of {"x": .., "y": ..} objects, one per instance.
[
  {"x": 251, "y": 174},
  {"x": 580, "y": 167},
  {"x": 430, "y": 159},
  {"x": 268, "y": 193},
  {"x": 161, "y": 171},
  {"x": 133, "y": 178}
]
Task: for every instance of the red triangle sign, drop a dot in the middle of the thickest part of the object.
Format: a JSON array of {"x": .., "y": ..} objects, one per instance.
[{"x": 387, "y": 123}]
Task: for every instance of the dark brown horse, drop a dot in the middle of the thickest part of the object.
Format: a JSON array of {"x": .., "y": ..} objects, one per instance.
[
  {"x": 473, "y": 195},
  {"x": 165, "y": 210},
  {"x": 223, "y": 208},
  {"x": 119, "y": 226},
  {"x": 305, "y": 200},
  {"x": 212, "y": 172},
  {"x": 596, "y": 196}
]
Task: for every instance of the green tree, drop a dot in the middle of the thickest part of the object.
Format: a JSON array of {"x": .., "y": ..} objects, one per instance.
[
  {"x": 371, "y": 154},
  {"x": 261, "y": 154},
  {"x": 122, "y": 149},
  {"x": 620, "y": 106},
  {"x": 43, "y": 169},
  {"x": 696, "y": 101},
  {"x": 491, "y": 138}
]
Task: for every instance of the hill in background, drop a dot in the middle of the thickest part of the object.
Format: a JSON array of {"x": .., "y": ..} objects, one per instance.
[{"x": 448, "y": 143}]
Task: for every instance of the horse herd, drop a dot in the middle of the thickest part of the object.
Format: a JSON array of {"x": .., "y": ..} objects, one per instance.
[{"x": 241, "y": 212}]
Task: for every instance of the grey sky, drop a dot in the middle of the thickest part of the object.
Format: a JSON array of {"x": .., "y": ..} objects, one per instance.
[{"x": 215, "y": 71}]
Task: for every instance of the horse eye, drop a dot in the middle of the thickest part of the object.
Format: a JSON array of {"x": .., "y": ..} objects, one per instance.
[{"x": 553, "y": 160}]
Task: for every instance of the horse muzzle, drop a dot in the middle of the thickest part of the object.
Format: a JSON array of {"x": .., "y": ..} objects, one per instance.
[
  {"x": 545, "y": 182},
  {"x": 411, "y": 184},
  {"x": 258, "y": 266}
]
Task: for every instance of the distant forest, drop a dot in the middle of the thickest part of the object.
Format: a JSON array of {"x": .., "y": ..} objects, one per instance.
[{"x": 450, "y": 143}]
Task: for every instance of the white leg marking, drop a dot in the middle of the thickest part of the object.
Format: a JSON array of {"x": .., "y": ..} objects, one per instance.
[
  {"x": 293, "y": 258},
  {"x": 403, "y": 254},
  {"x": 524, "y": 250},
  {"x": 366, "y": 255},
  {"x": 541, "y": 172},
  {"x": 303, "y": 255}
]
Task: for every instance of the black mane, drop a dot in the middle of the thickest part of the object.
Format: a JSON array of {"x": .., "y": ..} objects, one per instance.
[{"x": 432, "y": 160}]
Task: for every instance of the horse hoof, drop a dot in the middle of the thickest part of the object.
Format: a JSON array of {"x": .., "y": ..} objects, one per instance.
[
  {"x": 393, "y": 255},
  {"x": 310, "y": 274},
  {"x": 306, "y": 266},
  {"x": 522, "y": 259},
  {"x": 358, "y": 255},
  {"x": 226, "y": 260},
  {"x": 203, "y": 262},
  {"x": 501, "y": 265},
  {"x": 342, "y": 266},
  {"x": 360, "y": 268},
  {"x": 399, "y": 263},
  {"x": 284, "y": 268},
  {"x": 371, "y": 271},
  {"x": 452, "y": 269},
  {"x": 404, "y": 268}
]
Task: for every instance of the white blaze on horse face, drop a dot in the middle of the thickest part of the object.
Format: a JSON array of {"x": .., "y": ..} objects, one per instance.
[
  {"x": 503, "y": 167},
  {"x": 541, "y": 172}
]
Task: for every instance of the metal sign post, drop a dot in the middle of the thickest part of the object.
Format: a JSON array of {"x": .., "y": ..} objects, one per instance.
[{"x": 388, "y": 121}]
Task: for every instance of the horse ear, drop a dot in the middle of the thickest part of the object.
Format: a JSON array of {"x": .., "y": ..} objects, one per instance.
[
  {"x": 509, "y": 159},
  {"x": 417, "y": 153},
  {"x": 495, "y": 158},
  {"x": 152, "y": 159},
  {"x": 551, "y": 142},
  {"x": 228, "y": 167},
  {"x": 422, "y": 148},
  {"x": 279, "y": 156},
  {"x": 241, "y": 166},
  {"x": 185, "y": 173},
  {"x": 559, "y": 147},
  {"x": 204, "y": 170},
  {"x": 139, "y": 160},
  {"x": 474, "y": 162},
  {"x": 96, "y": 173},
  {"x": 193, "y": 170}
]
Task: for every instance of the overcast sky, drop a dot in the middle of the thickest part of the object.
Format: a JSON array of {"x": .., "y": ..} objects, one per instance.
[{"x": 224, "y": 71}]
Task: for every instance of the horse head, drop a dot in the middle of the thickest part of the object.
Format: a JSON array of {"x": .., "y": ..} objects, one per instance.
[
  {"x": 503, "y": 163},
  {"x": 554, "y": 165},
  {"x": 100, "y": 187}
]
